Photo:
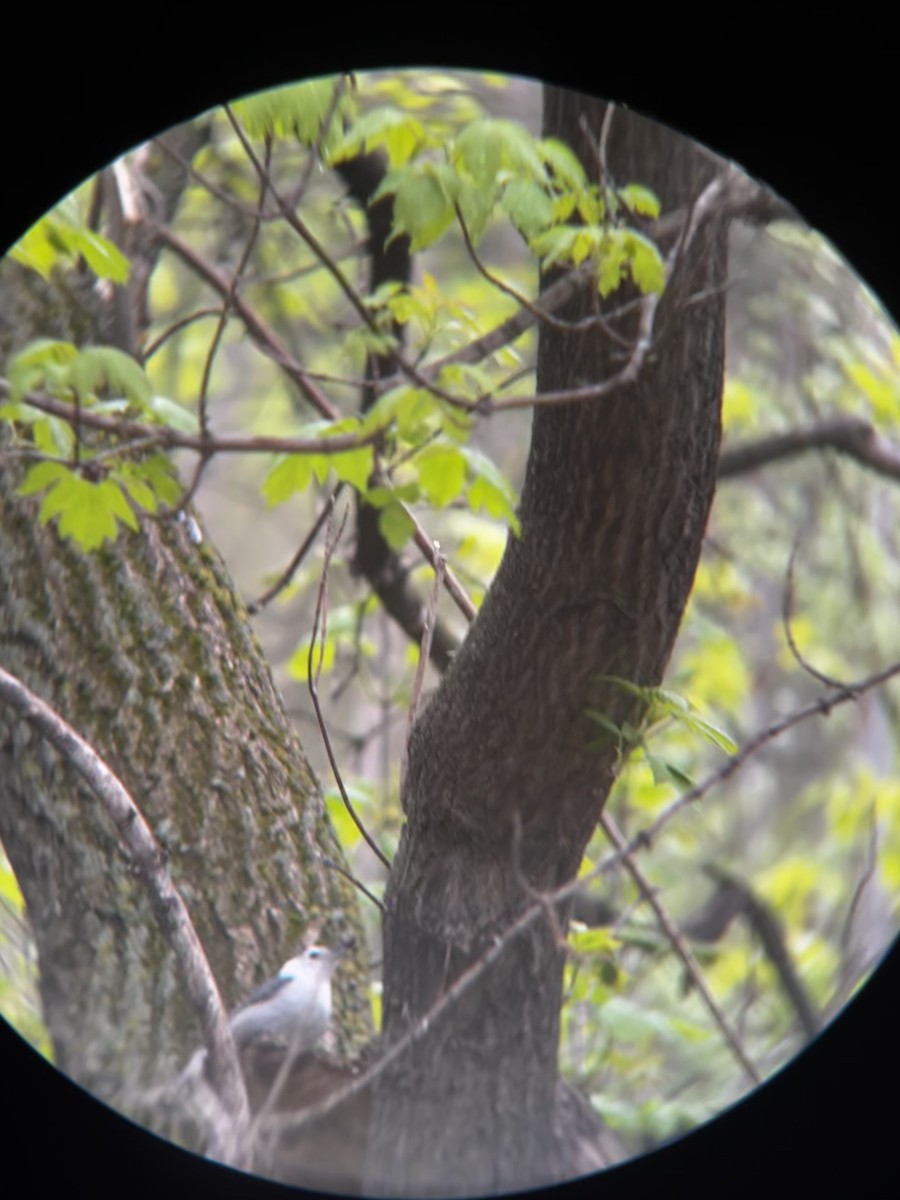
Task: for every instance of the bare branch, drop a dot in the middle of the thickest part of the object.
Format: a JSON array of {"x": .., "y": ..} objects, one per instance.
[
  {"x": 256, "y": 327},
  {"x": 470, "y": 976},
  {"x": 173, "y": 439},
  {"x": 428, "y": 623},
  {"x": 288, "y": 573},
  {"x": 821, "y": 707},
  {"x": 168, "y": 907},
  {"x": 358, "y": 884},
  {"x": 849, "y": 435},
  {"x": 454, "y": 587},
  {"x": 680, "y": 946},
  {"x": 312, "y": 683},
  {"x": 787, "y": 605}
]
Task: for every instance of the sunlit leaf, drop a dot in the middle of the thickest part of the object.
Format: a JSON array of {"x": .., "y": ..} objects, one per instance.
[
  {"x": 99, "y": 367},
  {"x": 395, "y": 525},
  {"x": 291, "y": 473},
  {"x": 640, "y": 200}
]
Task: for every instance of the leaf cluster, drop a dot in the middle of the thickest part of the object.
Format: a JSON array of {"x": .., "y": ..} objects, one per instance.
[{"x": 85, "y": 489}]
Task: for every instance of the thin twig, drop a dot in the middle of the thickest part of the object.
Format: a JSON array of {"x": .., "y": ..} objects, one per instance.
[
  {"x": 290, "y": 570},
  {"x": 360, "y": 887},
  {"x": 199, "y": 314},
  {"x": 168, "y": 907},
  {"x": 848, "y": 435},
  {"x": 254, "y": 324},
  {"x": 787, "y": 605},
  {"x": 534, "y": 309},
  {"x": 821, "y": 707},
  {"x": 428, "y": 623},
  {"x": 669, "y": 928},
  {"x": 312, "y": 677},
  {"x": 356, "y": 300},
  {"x": 421, "y": 1027},
  {"x": 454, "y": 587},
  {"x": 173, "y": 439},
  {"x": 865, "y": 878}
]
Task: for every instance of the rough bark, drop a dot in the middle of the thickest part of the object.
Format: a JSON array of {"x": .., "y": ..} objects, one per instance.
[
  {"x": 502, "y": 793},
  {"x": 147, "y": 651}
]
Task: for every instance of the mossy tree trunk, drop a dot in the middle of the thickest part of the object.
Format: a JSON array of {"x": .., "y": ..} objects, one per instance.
[{"x": 147, "y": 651}]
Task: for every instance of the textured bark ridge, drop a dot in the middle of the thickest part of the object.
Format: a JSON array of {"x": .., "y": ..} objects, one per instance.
[
  {"x": 502, "y": 793},
  {"x": 147, "y": 651}
]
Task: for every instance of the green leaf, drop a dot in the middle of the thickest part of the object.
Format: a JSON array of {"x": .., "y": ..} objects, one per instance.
[
  {"x": 54, "y": 239},
  {"x": 160, "y": 475},
  {"x": 53, "y": 436},
  {"x": 40, "y": 476},
  {"x": 104, "y": 258},
  {"x": 640, "y": 200},
  {"x": 594, "y": 941},
  {"x": 36, "y": 250},
  {"x": 40, "y": 361},
  {"x": 397, "y": 132},
  {"x": 298, "y": 109},
  {"x": 556, "y": 244},
  {"x": 604, "y": 722},
  {"x": 490, "y": 489},
  {"x": 625, "y": 684},
  {"x": 423, "y": 202},
  {"x": 442, "y": 473},
  {"x": 666, "y": 772},
  {"x": 409, "y": 408},
  {"x": 354, "y": 467},
  {"x": 528, "y": 207},
  {"x": 712, "y": 733},
  {"x": 291, "y": 473},
  {"x": 322, "y": 660},
  {"x": 170, "y": 413},
  {"x": 476, "y": 205},
  {"x": 344, "y": 826},
  {"x": 139, "y": 491},
  {"x": 670, "y": 701},
  {"x": 564, "y": 163},
  {"x": 613, "y": 260},
  {"x": 645, "y": 263},
  {"x": 395, "y": 525},
  {"x": 87, "y": 511},
  {"x": 492, "y": 145},
  {"x": 99, "y": 367}
]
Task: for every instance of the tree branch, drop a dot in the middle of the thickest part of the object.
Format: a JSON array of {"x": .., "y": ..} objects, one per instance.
[
  {"x": 173, "y": 439},
  {"x": 168, "y": 907},
  {"x": 850, "y": 435},
  {"x": 669, "y": 928}
]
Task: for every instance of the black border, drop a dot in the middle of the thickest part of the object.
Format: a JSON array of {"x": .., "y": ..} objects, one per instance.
[{"x": 810, "y": 110}]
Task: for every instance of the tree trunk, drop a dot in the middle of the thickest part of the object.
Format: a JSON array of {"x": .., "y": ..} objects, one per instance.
[
  {"x": 502, "y": 793},
  {"x": 147, "y": 651}
]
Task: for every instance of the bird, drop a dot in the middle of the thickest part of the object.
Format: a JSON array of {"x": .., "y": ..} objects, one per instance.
[{"x": 293, "y": 1007}]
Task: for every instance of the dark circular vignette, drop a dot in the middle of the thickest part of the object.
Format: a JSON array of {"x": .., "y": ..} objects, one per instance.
[{"x": 809, "y": 114}]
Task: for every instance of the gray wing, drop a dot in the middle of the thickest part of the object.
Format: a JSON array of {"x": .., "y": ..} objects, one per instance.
[{"x": 265, "y": 992}]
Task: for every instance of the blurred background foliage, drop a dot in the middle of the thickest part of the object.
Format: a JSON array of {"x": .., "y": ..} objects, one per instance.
[{"x": 809, "y": 827}]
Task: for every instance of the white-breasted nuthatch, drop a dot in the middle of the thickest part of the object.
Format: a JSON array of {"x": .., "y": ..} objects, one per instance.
[{"x": 294, "y": 1006}]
